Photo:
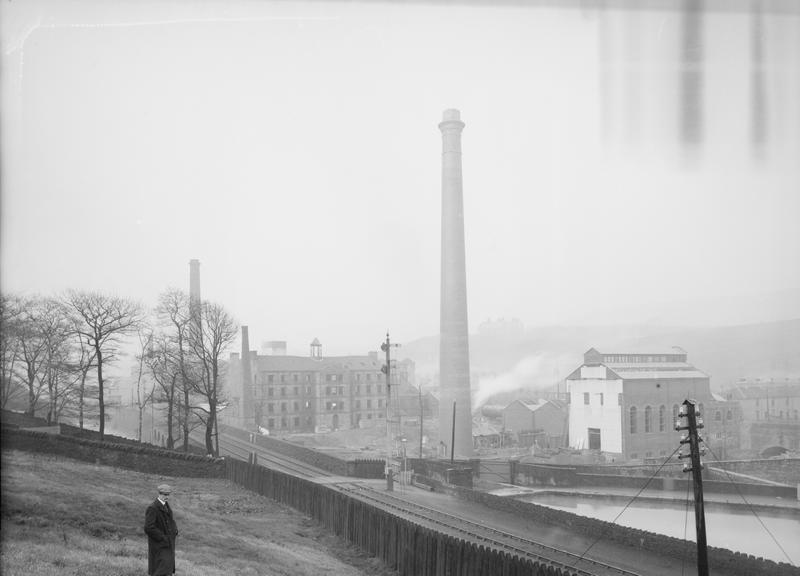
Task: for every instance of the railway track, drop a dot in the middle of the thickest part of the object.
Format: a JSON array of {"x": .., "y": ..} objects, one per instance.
[
  {"x": 241, "y": 449},
  {"x": 449, "y": 523},
  {"x": 486, "y": 535}
]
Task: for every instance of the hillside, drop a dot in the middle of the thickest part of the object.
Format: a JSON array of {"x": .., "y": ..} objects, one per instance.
[{"x": 65, "y": 517}]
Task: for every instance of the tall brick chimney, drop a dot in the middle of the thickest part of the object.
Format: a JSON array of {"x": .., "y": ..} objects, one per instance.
[{"x": 454, "y": 385}]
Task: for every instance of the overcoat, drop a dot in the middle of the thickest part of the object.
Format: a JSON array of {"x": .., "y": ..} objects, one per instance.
[{"x": 161, "y": 532}]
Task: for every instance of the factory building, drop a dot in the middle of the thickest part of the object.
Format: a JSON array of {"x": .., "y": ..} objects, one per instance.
[
  {"x": 314, "y": 393},
  {"x": 626, "y": 404}
]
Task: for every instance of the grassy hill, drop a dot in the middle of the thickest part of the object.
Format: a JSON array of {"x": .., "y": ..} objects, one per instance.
[{"x": 65, "y": 517}]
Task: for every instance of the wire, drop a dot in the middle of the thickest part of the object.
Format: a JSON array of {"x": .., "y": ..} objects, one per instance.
[
  {"x": 750, "y": 506},
  {"x": 664, "y": 463}
]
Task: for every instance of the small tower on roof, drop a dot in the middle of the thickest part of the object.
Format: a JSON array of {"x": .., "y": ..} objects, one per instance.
[{"x": 316, "y": 350}]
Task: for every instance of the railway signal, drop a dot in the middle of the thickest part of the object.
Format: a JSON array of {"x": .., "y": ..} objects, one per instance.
[
  {"x": 387, "y": 370},
  {"x": 692, "y": 423}
]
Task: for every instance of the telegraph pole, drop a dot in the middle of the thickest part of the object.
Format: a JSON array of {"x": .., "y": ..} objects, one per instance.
[
  {"x": 387, "y": 370},
  {"x": 693, "y": 439}
]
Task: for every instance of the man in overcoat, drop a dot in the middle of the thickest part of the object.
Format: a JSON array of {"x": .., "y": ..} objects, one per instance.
[{"x": 161, "y": 530}]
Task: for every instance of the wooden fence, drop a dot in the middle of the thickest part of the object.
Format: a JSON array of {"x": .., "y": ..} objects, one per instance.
[{"x": 403, "y": 545}]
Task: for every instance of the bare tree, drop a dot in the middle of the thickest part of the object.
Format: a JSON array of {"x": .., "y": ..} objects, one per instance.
[
  {"x": 210, "y": 334},
  {"x": 84, "y": 363},
  {"x": 175, "y": 312},
  {"x": 32, "y": 349},
  {"x": 164, "y": 362},
  {"x": 58, "y": 374},
  {"x": 10, "y": 312},
  {"x": 102, "y": 321},
  {"x": 144, "y": 389}
]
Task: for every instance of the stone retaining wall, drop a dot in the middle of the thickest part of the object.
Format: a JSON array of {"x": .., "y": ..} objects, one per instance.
[{"x": 140, "y": 457}]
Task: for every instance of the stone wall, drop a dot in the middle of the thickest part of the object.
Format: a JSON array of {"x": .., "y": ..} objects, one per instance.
[{"x": 140, "y": 457}]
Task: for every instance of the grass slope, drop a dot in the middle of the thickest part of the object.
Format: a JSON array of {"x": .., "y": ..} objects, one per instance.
[{"x": 64, "y": 517}]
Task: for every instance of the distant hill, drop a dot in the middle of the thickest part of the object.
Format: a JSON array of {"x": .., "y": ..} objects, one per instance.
[{"x": 539, "y": 357}]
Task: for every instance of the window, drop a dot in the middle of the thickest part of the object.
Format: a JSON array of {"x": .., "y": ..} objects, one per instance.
[
  {"x": 271, "y": 423},
  {"x": 283, "y": 422},
  {"x": 369, "y": 403},
  {"x": 648, "y": 419},
  {"x": 270, "y": 407},
  {"x": 586, "y": 398},
  {"x": 601, "y": 398},
  {"x": 283, "y": 406},
  {"x": 380, "y": 389},
  {"x": 296, "y": 406},
  {"x": 634, "y": 456},
  {"x": 297, "y": 421},
  {"x": 701, "y": 409},
  {"x": 283, "y": 390},
  {"x": 358, "y": 404},
  {"x": 296, "y": 390},
  {"x": 662, "y": 418},
  {"x": 380, "y": 402},
  {"x": 633, "y": 422},
  {"x": 369, "y": 388},
  {"x": 717, "y": 416},
  {"x": 729, "y": 415},
  {"x": 283, "y": 377},
  {"x": 269, "y": 391},
  {"x": 271, "y": 378},
  {"x": 675, "y": 411}
]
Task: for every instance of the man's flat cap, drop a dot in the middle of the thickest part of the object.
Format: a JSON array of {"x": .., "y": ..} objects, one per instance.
[{"x": 164, "y": 488}]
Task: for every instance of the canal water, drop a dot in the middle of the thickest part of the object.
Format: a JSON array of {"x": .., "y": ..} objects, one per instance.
[{"x": 740, "y": 531}]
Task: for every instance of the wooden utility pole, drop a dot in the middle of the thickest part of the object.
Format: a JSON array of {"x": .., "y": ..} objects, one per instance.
[{"x": 692, "y": 438}]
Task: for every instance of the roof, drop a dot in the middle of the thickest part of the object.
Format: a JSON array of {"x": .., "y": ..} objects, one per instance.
[
  {"x": 660, "y": 374},
  {"x": 638, "y": 350},
  {"x": 767, "y": 391},
  {"x": 531, "y": 404},
  {"x": 306, "y": 363},
  {"x": 617, "y": 366}
]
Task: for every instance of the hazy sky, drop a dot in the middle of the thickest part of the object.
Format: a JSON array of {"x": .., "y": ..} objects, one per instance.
[{"x": 293, "y": 149}]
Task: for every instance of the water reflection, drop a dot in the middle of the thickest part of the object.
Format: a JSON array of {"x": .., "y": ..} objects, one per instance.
[{"x": 737, "y": 531}]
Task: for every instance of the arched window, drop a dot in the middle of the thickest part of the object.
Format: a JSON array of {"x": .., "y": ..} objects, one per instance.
[
  {"x": 701, "y": 410},
  {"x": 662, "y": 418},
  {"x": 717, "y": 416},
  {"x": 729, "y": 415},
  {"x": 675, "y": 411},
  {"x": 633, "y": 419},
  {"x": 648, "y": 419}
]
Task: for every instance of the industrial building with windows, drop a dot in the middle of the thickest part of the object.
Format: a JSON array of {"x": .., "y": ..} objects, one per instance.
[
  {"x": 626, "y": 404},
  {"x": 291, "y": 394}
]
